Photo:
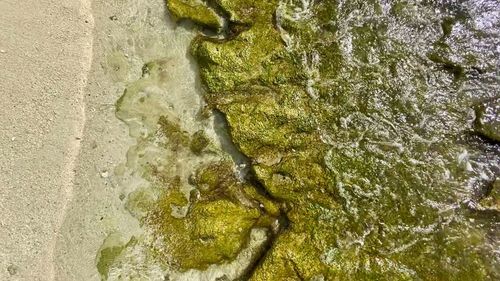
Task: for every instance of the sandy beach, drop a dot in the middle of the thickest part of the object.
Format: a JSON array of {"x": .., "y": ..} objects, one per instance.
[{"x": 45, "y": 56}]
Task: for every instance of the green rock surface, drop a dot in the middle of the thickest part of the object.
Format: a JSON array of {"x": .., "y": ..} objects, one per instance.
[
  {"x": 216, "y": 224},
  {"x": 488, "y": 119},
  {"x": 195, "y": 10},
  {"x": 356, "y": 117}
]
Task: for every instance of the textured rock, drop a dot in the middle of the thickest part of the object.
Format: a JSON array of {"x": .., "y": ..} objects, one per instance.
[
  {"x": 350, "y": 115},
  {"x": 196, "y": 11},
  {"x": 488, "y": 119}
]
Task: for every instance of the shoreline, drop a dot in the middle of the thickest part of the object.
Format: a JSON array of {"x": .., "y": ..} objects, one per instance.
[{"x": 86, "y": 11}]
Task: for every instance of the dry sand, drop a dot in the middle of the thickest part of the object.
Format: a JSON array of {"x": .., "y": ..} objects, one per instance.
[{"x": 45, "y": 55}]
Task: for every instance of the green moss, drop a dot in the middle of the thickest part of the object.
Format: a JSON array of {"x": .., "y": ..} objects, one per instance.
[
  {"x": 492, "y": 198},
  {"x": 353, "y": 129},
  {"x": 214, "y": 176},
  {"x": 176, "y": 136},
  {"x": 216, "y": 226},
  {"x": 196, "y": 11},
  {"x": 247, "y": 11},
  {"x": 199, "y": 141},
  {"x": 447, "y": 26},
  {"x": 106, "y": 259},
  {"x": 110, "y": 252},
  {"x": 454, "y": 68}
]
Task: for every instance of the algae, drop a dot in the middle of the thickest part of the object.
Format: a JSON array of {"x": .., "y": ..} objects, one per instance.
[
  {"x": 194, "y": 207},
  {"x": 197, "y": 11},
  {"x": 355, "y": 117}
]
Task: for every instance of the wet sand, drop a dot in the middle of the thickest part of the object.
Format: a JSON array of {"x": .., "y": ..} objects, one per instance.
[
  {"x": 45, "y": 56},
  {"x": 127, "y": 35}
]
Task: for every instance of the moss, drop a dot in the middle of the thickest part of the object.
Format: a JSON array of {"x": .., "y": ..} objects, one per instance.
[
  {"x": 215, "y": 228},
  {"x": 176, "y": 136},
  {"x": 196, "y": 11},
  {"x": 447, "y": 26},
  {"x": 492, "y": 198},
  {"x": 214, "y": 176},
  {"x": 199, "y": 141},
  {"x": 247, "y": 11},
  {"x": 106, "y": 259},
  {"x": 454, "y": 68},
  {"x": 329, "y": 107},
  {"x": 110, "y": 252}
]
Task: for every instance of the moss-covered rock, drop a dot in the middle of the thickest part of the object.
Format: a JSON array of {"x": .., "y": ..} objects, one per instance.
[
  {"x": 492, "y": 198},
  {"x": 488, "y": 119},
  {"x": 352, "y": 118},
  {"x": 199, "y": 141},
  {"x": 217, "y": 223},
  {"x": 195, "y": 10}
]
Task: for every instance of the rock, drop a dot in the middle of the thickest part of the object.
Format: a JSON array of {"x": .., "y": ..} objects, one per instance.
[
  {"x": 195, "y": 11},
  {"x": 12, "y": 269},
  {"x": 487, "y": 121},
  {"x": 354, "y": 209},
  {"x": 492, "y": 199}
]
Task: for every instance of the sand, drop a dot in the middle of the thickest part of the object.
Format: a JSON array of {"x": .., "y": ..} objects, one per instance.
[{"x": 45, "y": 55}]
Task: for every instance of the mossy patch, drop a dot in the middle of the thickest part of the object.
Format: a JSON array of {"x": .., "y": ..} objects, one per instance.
[
  {"x": 195, "y": 10},
  {"x": 217, "y": 223}
]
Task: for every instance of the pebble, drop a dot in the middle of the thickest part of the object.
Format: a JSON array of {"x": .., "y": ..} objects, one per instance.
[
  {"x": 105, "y": 174},
  {"x": 12, "y": 269}
]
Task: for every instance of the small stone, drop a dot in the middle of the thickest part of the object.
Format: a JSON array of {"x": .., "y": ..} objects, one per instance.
[
  {"x": 105, "y": 174},
  {"x": 492, "y": 199},
  {"x": 113, "y": 17},
  {"x": 3, "y": 51},
  {"x": 13, "y": 139},
  {"x": 12, "y": 269}
]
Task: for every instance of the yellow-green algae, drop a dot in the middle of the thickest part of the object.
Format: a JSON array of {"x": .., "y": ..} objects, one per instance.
[
  {"x": 356, "y": 116},
  {"x": 358, "y": 119},
  {"x": 217, "y": 223},
  {"x": 197, "y": 11}
]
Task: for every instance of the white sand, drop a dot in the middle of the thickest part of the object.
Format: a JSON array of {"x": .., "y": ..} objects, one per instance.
[{"x": 45, "y": 55}]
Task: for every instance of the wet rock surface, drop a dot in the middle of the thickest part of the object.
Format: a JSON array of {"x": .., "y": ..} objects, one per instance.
[
  {"x": 488, "y": 119},
  {"x": 357, "y": 109}
]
